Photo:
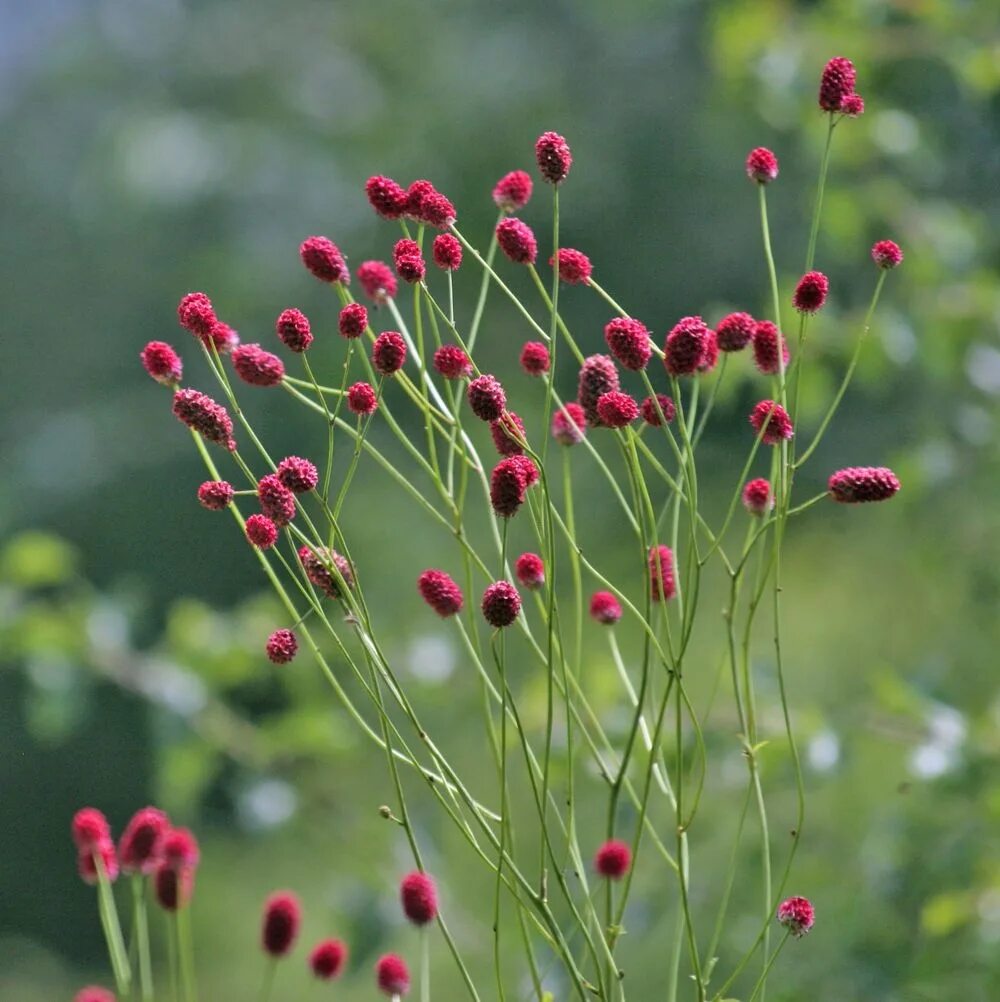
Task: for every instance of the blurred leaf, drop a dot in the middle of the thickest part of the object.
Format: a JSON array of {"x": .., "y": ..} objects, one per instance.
[{"x": 38, "y": 560}]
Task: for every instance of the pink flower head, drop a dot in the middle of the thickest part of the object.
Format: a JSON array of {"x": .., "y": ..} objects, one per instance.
[
  {"x": 323, "y": 259},
  {"x": 517, "y": 240},
  {"x": 512, "y": 192},
  {"x": 766, "y": 341},
  {"x": 451, "y": 362},
  {"x": 89, "y": 828},
  {"x": 173, "y": 887},
  {"x": 361, "y": 399},
  {"x": 281, "y": 647},
  {"x": 598, "y": 376},
  {"x": 574, "y": 266},
  {"x": 762, "y": 165},
  {"x": 392, "y": 975},
  {"x": 508, "y": 486},
  {"x": 528, "y": 469},
  {"x": 859, "y": 484},
  {"x": 277, "y": 502},
  {"x": 411, "y": 268},
  {"x": 710, "y": 358},
  {"x": 196, "y": 314},
  {"x": 327, "y": 959},
  {"x": 530, "y": 571},
  {"x": 257, "y": 367},
  {"x": 810, "y": 293},
  {"x": 378, "y": 281},
  {"x": 447, "y": 251},
  {"x": 605, "y": 608},
  {"x": 93, "y": 993},
  {"x": 405, "y": 248},
  {"x": 352, "y": 321},
  {"x": 650, "y": 413},
  {"x": 297, "y": 474},
  {"x": 553, "y": 156},
  {"x": 853, "y": 106},
  {"x": 418, "y": 895},
  {"x": 280, "y": 926},
  {"x": 386, "y": 197},
  {"x": 613, "y": 859},
  {"x": 215, "y": 495},
  {"x": 261, "y": 532},
  {"x": 774, "y": 420},
  {"x": 203, "y": 415},
  {"x": 389, "y": 353},
  {"x": 87, "y": 862},
  {"x": 685, "y": 346},
  {"x": 503, "y": 431},
  {"x": 317, "y": 566},
  {"x": 569, "y": 424},
  {"x": 415, "y": 195},
  {"x": 886, "y": 254},
  {"x": 661, "y": 573},
  {"x": 628, "y": 340},
  {"x": 425, "y": 204},
  {"x": 501, "y": 604},
  {"x": 734, "y": 332},
  {"x": 162, "y": 363},
  {"x": 758, "y": 499},
  {"x": 223, "y": 337},
  {"x": 797, "y": 915},
  {"x": 486, "y": 397},
  {"x": 617, "y": 409},
  {"x": 293, "y": 330},
  {"x": 440, "y": 592},
  {"x": 836, "y": 83},
  {"x": 535, "y": 358},
  {"x": 180, "y": 849},
  {"x": 141, "y": 844}
]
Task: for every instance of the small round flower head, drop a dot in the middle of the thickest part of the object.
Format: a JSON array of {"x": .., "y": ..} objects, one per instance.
[
  {"x": 598, "y": 376},
  {"x": 323, "y": 259},
  {"x": 617, "y": 409},
  {"x": 685, "y": 346},
  {"x": 215, "y": 495},
  {"x": 797, "y": 915},
  {"x": 173, "y": 887},
  {"x": 451, "y": 362},
  {"x": 436, "y": 210},
  {"x": 277, "y": 502},
  {"x": 223, "y": 337},
  {"x": 605, "y": 608},
  {"x": 298, "y": 474},
  {"x": 486, "y": 397},
  {"x": 89, "y": 828},
  {"x": 836, "y": 83},
  {"x": 327, "y": 959},
  {"x": 860, "y": 484},
  {"x": 810, "y": 293},
  {"x": 86, "y": 861},
  {"x": 361, "y": 399},
  {"x": 734, "y": 332},
  {"x": 418, "y": 896},
  {"x": 758, "y": 498},
  {"x": 280, "y": 925},
  {"x": 317, "y": 566},
  {"x": 528, "y": 469},
  {"x": 553, "y": 157},
  {"x": 411, "y": 268},
  {"x": 766, "y": 341},
  {"x": 569, "y": 424},
  {"x": 710, "y": 358},
  {"x": 141, "y": 844},
  {"x": 778, "y": 424},
  {"x": 853, "y": 106},
  {"x": 352, "y": 321},
  {"x": 501, "y": 604},
  {"x": 650, "y": 413},
  {"x": 405, "y": 247},
  {"x": 415, "y": 195},
  {"x": 508, "y": 486},
  {"x": 628, "y": 340},
  {"x": 378, "y": 281},
  {"x": 512, "y": 192},
  {"x": 162, "y": 363},
  {"x": 257, "y": 367},
  {"x": 447, "y": 252},
  {"x": 613, "y": 859},
  {"x": 389, "y": 353},
  {"x": 503, "y": 430},
  {"x": 530, "y": 571},
  {"x": 203, "y": 415},
  {"x": 886, "y": 254},
  {"x": 517, "y": 241},
  {"x": 281, "y": 647},
  {"x": 293, "y": 330},
  {"x": 535, "y": 358},
  {"x": 180, "y": 849},
  {"x": 762, "y": 165},
  {"x": 392, "y": 975},
  {"x": 261, "y": 532},
  {"x": 440, "y": 592},
  {"x": 574, "y": 266},
  {"x": 661, "y": 573},
  {"x": 386, "y": 197},
  {"x": 93, "y": 993},
  {"x": 196, "y": 314}
]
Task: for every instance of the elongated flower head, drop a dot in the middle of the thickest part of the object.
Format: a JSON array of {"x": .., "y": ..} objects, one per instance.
[
  {"x": 528, "y": 469},
  {"x": 503, "y": 431},
  {"x": 651, "y": 414},
  {"x": 203, "y": 415},
  {"x": 613, "y": 859},
  {"x": 553, "y": 156},
  {"x": 425, "y": 204},
  {"x": 887, "y": 254},
  {"x": 411, "y": 268},
  {"x": 530, "y": 571},
  {"x": 277, "y": 502},
  {"x": 447, "y": 252},
  {"x": 281, "y": 647},
  {"x": 280, "y": 925},
  {"x": 86, "y": 860},
  {"x": 774, "y": 420},
  {"x": 172, "y": 887},
  {"x": 378, "y": 281},
  {"x": 256, "y": 366},
  {"x": 508, "y": 487},
  {"x": 327, "y": 958},
  {"x": 517, "y": 240},
  {"x": 93, "y": 993},
  {"x": 758, "y": 498},
  {"x": 501, "y": 604},
  {"x": 180, "y": 849},
  {"x": 451, "y": 362},
  {"x": 767, "y": 341},
  {"x": 298, "y": 474},
  {"x": 574, "y": 266},
  {"x": 415, "y": 195},
  {"x": 162, "y": 363},
  {"x": 710, "y": 357},
  {"x": 836, "y": 83},
  {"x": 853, "y": 106},
  {"x": 486, "y": 397},
  {"x": 141, "y": 845},
  {"x": 389, "y": 353},
  {"x": 512, "y": 192},
  {"x": 386, "y": 197},
  {"x": 617, "y": 409},
  {"x": 89, "y": 828},
  {"x": 440, "y": 591},
  {"x": 405, "y": 247},
  {"x": 734, "y": 332},
  {"x": 196, "y": 314},
  {"x": 762, "y": 165},
  {"x": 598, "y": 376},
  {"x": 352, "y": 321},
  {"x": 418, "y": 896},
  {"x": 569, "y": 424},
  {"x": 317, "y": 566},
  {"x": 628, "y": 340},
  {"x": 215, "y": 495},
  {"x": 293, "y": 330},
  {"x": 810, "y": 293},
  {"x": 261, "y": 532},
  {"x": 535, "y": 358},
  {"x": 797, "y": 915},
  {"x": 661, "y": 573},
  {"x": 392, "y": 975},
  {"x": 323, "y": 259},
  {"x": 362, "y": 399},
  {"x": 685, "y": 346},
  {"x": 861, "y": 484},
  {"x": 605, "y": 608}
]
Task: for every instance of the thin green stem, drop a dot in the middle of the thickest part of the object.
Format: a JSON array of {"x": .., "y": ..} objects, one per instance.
[{"x": 142, "y": 935}]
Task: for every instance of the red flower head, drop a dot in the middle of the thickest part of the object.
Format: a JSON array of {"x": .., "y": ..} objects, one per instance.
[
  {"x": 261, "y": 532},
  {"x": 418, "y": 896},
  {"x": 766, "y": 340},
  {"x": 293, "y": 330},
  {"x": 778, "y": 423},
  {"x": 661, "y": 573},
  {"x": 405, "y": 248},
  {"x": 605, "y": 608},
  {"x": 447, "y": 252},
  {"x": 392, "y": 975},
  {"x": 501, "y": 604},
  {"x": 513, "y": 191},
  {"x": 257, "y": 367},
  {"x": 141, "y": 844},
  {"x": 451, "y": 362},
  {"x": 321, "y": 256},
  {"x": 810, "y": 293},
  {"x": 530, "y": 571},
  {"x": 282, "y": 918},
  {"x": 651, "y": 415},
  {"x": 203, "y": 415},
  {"x": 352, "y": 321},
  {"x": 616, "y": 409},
  {"x": 90, "y": 829},
  {"x": 277, "y": 502},
  {"x": 387, "y": 198},
  {"x": 92, "y": 993},
  {"x": 502, "y": 430},
  {"x": 758, "y": 498},
  {"x": 598, "y": 376},
  {"x": 173, "y": 887},
  {"x": 711, "y": 357},
  {"x": 440, "y": 592},
  {"x": 517, "y": 241},
  {"x": 389, "y": 353},
  {"x": 886, "y": 254},
  {"x": 436, "y": 210},
  {"x": 281, "y": 647},
  {"x": 574, "y": 266},
  {"x": 317, "y": 567},
  {"x": 527, "y": 467},
  {"x": 508, "y": 486},
  {"x": 162, "y": 363},
  {"x": 569, "y": 424},
  {"x": 628, "y": 340},
  {"x": 215, "y": 495},
  {"x": 297, "y": 474},
  {"x": 180, "y": 849},
  {"x": 613, "y": 859},
  {"x": 553, "y": 156},
  {"x": 328, "y": 958},
  {"x": 734, "y": 332},
  {"x": 858, "y": 484},
  {"x": 762, "y": 165},
  {"x": 535, "y": 358},
  {"x": 411, "y": 268},
  {"x": 377, "y": 280},
  {"x": 86, "y": 861},
  {"x": 486, "y": 398},
  {"x": 415, "y": 195},
  {"x": 853, "y": 106},
  {"x": 836, "y": 83},
  {"x": 685, "y": 346},
  {"x": 196, "y": 314},
  {"x": 361, "y": 399},
  {"x": 797, "y": 915}
]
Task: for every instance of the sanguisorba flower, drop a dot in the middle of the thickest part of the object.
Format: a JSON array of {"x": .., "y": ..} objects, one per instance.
[
  {"x": 215, "y": 495},
  {"x": 836, "y": 83},
  {"x": 418, "y": 896},
  {"x": 767, "y": 342},
  {"x": 317, "y": 564},
  {"x": 605, "y": 608},
  {"x": 617, "y": 409},
  {"x": 388, "y": 353},
  {"x": 256, "y": 366},
  {"x": 281, "y": 647},
  {"x": 797, "y": 915},
  {"x": 280, "y": 924},
  {"x": 261, "y": 532},
  {"x": 853, "y": 106},
  {"x": 651, "y": 410},
  {"x": 385, "y": 196},
  {"x": 685, "y": 346},
  {"x": 661, "y": 573},
  {"x": 87, "y": 863},
  {"x": 173, "y": 882},
  {"x": 758, "y": 499},
  {"x": 162, "y": 363},
  {"x": 277, "y": 502},
  {"x": 598, "y": 376},
  {"x": 197, "y": 315},
  {"x": 535, "y": 358},
  {"x": 569, "y": 424},
  {"x": 516, "y": 239},
  {"x": 94, "y": 993},
  {"x": 628, "y": 340},
  {"x": 503, "y": 432},
  {"x": 392, "y": 975},
  {"x": 771, "y": 421},
  {"x": 89, "y": 829},
  {"x": 141, "y": 845},
  {"x": 486, "y": 397},
  {"x": 323, "y": 260},
  {"x": 529, "y": 569},
  {"x": 447, "y": 252},
  {"x": 362, "y": 399},
  {"x": 440, "y": 591},
  {"x": 811, "y": 291},
  {"x": 508, "y": 486},
  {"x": 298, "y": 474},
  {"x": 293, "y": 330},
  {"x": 501, "y": 604},
  {"x": 451, "y": 362},
  {"x": 352, "y": 320},
  {"x": 613, "y": 859},
  {"x": 327, "y": 958},
  {"x": 553, "y": 156},
  {"x": 203, "y": 415},
  {"x": 862, "y": 484},
  {"x": 762, "y": 165},
  {"x": 734, "y": 332},
  {"x": 887, "y": 254},
  {"x": 378, "y": 281},
  {"x": 574, "y": 266},
  {"x": 512, "y": 192}
]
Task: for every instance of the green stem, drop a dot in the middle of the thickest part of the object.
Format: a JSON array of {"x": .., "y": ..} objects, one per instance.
[
  {"x": 112, "y": 929},
  {"x": 142, "y": 935},
  {"x": 267, "y": 982},
  {"x": 186, "y": 950}
]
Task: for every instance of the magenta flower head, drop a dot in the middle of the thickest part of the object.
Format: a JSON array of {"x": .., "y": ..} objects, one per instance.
[
  {"x": 281, "y": 647},
  {"x": 553, "y": 157},
  {"x": 386, "y": 197},
  {"x": 141, "y": 844},
  {"x": 451, "y": 362},
  {"x": 297, "y": 474},
  {"x": 261, "y": 532},
  {"x": 685, "y": 347},
  {"x": 598, "y": 376},
  {"x": 93, "y": 993},
  {"x": 628, "y": 340},
  {"x": 440, "y": 592},
  {"x": 203, "y": 415},
  {"x": 762, "y": 165},
  {"x": 215, "y": 495},
  {"x": 323, "y": 259},
  {"x": 758, "y": 498},
  {"x": 613, "y": 859},
  {"x": 162, "y": 363},
  {"x": 535, "y": 358},
  {"x": 605, "y": 608},
  {"x": 836, "y": 83},
  {"x": 617, "y": 409},
  {"x": 389, "y": 353},
  {"x": 797, "y": 915},
  {"x": 574, "y": 266},
  {"x": 293, "y": 330},
  {"x": 317, "y": 566},
  {"x": 661, "y": 573},
  {"x": 512, "y": 192},
  {"x": 173, "y": 887},
  {"x": 362, "y": 399},
  {"x": 530, "y": 571},
  {"x": 508, "y": 486},
  {"x": 90, "y": 829},
  {"x": 277, "y": 502},
  {"x": 853, "y": 106},
  {"x": 528, "y": 469},
  {"x": 517, "y": 241},
  {"x": 257, "y": 367},
  {"x": 280, "y": 926},
  {"x": 501, "y": 604},
  {"x": 710, "y": 358},
  {"x": 197, "y": 315},
  {"x": 766, "y": 342},
  {"x": 569, "y": 424},
  {"x": 447, "y": 251},
  {"x": 418, "y": 896},
  {"x": 886, "y": 254},
  {"x": 180, "y": 849},
  {"x": 352, "y": 321},
  {"x": 378, "y": 281},
  {"x": 86, "y": 862},
  {"x": 651, "y": 413},
  {"x": 392, "y": 975},
  {"x": 411, "y": 268},
  {"x": 486, "y": 397},
  {"x": 733, "y": 332},
  {"x": 861, "y": 484},
  {"x": 328, "y": 958},
  {"x": 503, "y": 432},
  {"x": 415, "y": 195},
  {"x": 425, "y": 204},
  {"x": 810, "y": 293},
  {"x": 771, "y": 421}
]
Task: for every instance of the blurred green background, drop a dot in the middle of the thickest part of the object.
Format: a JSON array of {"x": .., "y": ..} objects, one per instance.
[{"x": 151, "y": 147}]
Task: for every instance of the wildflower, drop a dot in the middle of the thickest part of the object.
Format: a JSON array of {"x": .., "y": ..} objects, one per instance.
[
  {"x": 261, "y": 532},
  {"x": 574, "y": 266},
  {"x": 661, "y": 573},
  {"x": 886, "y": 254},
  {"x": 530, "y": 571},
  {"x": 501, "y": 604},
  {"x": 317, "y": 566},
  {"x": 297, "y": 474},
  {"x": 486, "y": 397},
  {"x": 860, "y": 484},
  {"x": 569, "y": 424},
  {"x": 710, "y": 358},
  {"x": 447, "y": 251},
  {"x": 451, "y": 362},
  {"x": 323, "y": 259},
  {"x": 853, "y": 106},
  {"x": 762, "y": 165},
  {"x": 535, "y": 358},
  {"x": 528, "y": 469},
  {"x": 282, "y": 918},
  {"x": 405, "y": 248},
  {"x": 616, "y": 409},
  {"x": 386, "y": 197},
  {"x": 553, "y": 156},
  {"x": 389, "y": 353},
  {"x": 162, "y": 363},
  {"x": 173, "y": 887},
  {"x": 203, "y": 415},
  {"x": 810, "y": 293},
  {"x": 836, "y": 83},
  {"x": 277, "y": 502},
  {"x": 361, "y": 399},
  {"x": 766, "y": 341},
  {"x": 778, "y": 424},
  {"x": 257, "y": 367},
  {"x": 411, "y": 268},
  {"x": 415, "y": 195},
  {"x": 89, "y": 828},
  {"x": 93, "y": 993},
  {"x": 378, "y": 281},
  {"x": 685, "y": 346},
  {"x": 425, "y": 204},
  {"x": 392, "y": 975},
  {"x": 650, "y": 414},
  {"x": 605, "y": 608},
  {"x": 215, "y": 495},
  {"x": 733, "y": 332},
  {"x": 327, "y": 958},
  {"x": 87, "y": 862},
  {"x": 628, "y": 340},
  {"x": 517, "y": 241},
  {"x": 613, "y": 859},
  {"x": 281, "y": 647},
  {"x": 180, "y": 849},
  {"x": 598, "y": 376},
  {"x": 757, "y": 496},
  {"x": 503, "y": 431},
  {"x": 293, "y": 330},
  {"x": 141, "y": 844},
  {"x": 197, "y": 315},
  {"x": 508, "y": 484},
  {"x": 419, "y": 898},
  {"x": 797, "y": 915},
  {"x": 440, "y": 592},
  {"x": 512, "y": 192},
  {"x": 352, "y": 321}
]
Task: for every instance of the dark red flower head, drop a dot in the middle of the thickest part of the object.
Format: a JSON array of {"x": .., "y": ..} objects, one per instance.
[
  {"x": 710, "y": 358},
  {"x": 392, "y": 975},
  {"x": 685, "y": 346},
  {"x": 280, "y": 926},
  {"x": 405, "y": 248},
  {"x": 853, "y": 106},
  {"x": 613, "y": 859},
  {"x": 257, "y": 367},
  {"x": 569, "y": 424},
  {"x": 281, "y": 647},
  {"x": 513, "y": 191},
  {"x": 352, "y": 321},
  {"x": 836, "y": 83},
  {"x": 574, "y": 266},
  {"x": 628, "y": 340},
  {"x": 810, "y": 293},
  {"x": 451, "y": 362},
  {"x": 650, "y": 413},
  {"x": 425, "y": 204},
  {"x": 261, "y": 532},
  {"x": 180, "y": 849},
  {"x": 389, "y": 353},
  {"x": 86, "y": 861},
  {"x": 797, "y": 915},
  {"x": 617, "y": 409},
  {"x": 535, "y": 358},
  {"x": 411, "y": 268},
  {"x": 215, "y": 495},
  {"x": 162, "y": 363},
  {"x": 598, "y": 376},
  {"x": 415, "y": 195},
  {"x": 297, "y": 474},
  {"x": 859, "y": 484},
  {"x": 293, "y": 330},
  {"x": 378, "y": 281},
  {"x": 508, "y": 486},
  {"x": 440, "y": 592},
  {"x": 762, "y": 165},
  {"x": 203, "y": 415},
  {"x": 447, "y": 252},
  {"x": 530, "y": 571},
  {"x": 92, "y": 993},
  {"x": 418, "y": 895},
  {"x": 387, "y": 198},
  {"x": 778, "y": 423},
  {"x": 277, "y": 502},
  {"x": 173, "y": 887},
  {"x": 605, "y": 608},
  {"x": 758, "y": 498},
  {"x": 321, "y": 256},
  {"x": 661, "y": 573},
  {"x": 527, "y": 467},
  {"x": 328, "y": 958},
  {"x": 317, "y": 566},
  {"x": 766, "y": 342},
  {"x": 90, "y": 828},
  {"x": 501, "y": 604},
  {"x": 886, "y": 254},
  {"x": 503, "y": 431},
  {"x": 362, "y": 399},
  {"x": 733, "y": 333},
  {"x": 553, "y": 156},
  {"x": 517, "y": 241},
  {"x": 197, "y": 315},
  {"x": 141, "y": 845},
  {"x": 486, "y": 397}
]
